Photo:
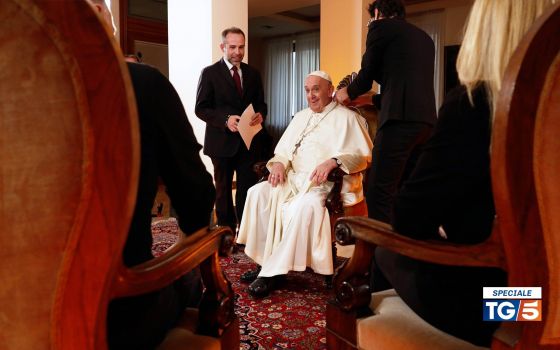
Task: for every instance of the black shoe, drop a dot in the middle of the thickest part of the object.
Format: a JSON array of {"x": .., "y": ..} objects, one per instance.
[
  {"x": 261, "y": 287},
  {"x": 250, "y": 276},
  {"x": 234, "y": 248}
]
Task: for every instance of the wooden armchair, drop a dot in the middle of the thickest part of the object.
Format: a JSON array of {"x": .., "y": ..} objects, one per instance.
[
  {"x": 524, "y": 241},
  {"x": 69, "y": 149}
]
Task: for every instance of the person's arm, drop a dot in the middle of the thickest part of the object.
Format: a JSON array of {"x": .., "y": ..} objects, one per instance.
[
  {"x": 321, "y": 171},
  {"x": 355, "y": 145},
  {"x": 205, "y": 107},
  {"x": 188, "y": 183},
  {"x": 376, "y": 42}
]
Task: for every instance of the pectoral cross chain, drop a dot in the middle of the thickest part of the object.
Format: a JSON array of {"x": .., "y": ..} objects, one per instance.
[
  {"x": 305, "y": 133},
  {"x": 297, "y": 146}
]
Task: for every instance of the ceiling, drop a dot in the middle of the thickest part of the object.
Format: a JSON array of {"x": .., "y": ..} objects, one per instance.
[
  {"x": 259, "y": 8},
  {"x": 267, "y": 18},
  {"x": 285, "y": 22},
  {"x": 271, "y": 18}
]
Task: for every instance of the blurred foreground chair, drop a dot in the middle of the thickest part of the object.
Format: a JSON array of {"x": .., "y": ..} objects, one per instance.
[
  {"x": 525, "y": 240},
  {"x": 69, "y": 149}
]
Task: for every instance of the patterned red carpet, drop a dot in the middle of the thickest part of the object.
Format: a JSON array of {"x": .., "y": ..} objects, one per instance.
[{"x": 292, "y": 317}]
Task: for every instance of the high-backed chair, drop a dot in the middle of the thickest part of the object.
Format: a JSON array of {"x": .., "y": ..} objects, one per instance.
[
  {"x": 69, "y": 149},
  {"x": 364, "y": 106},
  {"x": 524, "y": 241}
]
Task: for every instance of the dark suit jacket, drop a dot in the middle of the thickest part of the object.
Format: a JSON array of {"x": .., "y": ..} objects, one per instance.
[
  {"x": 169, "y": 150},
  {"x": 400, "y": 57},
  {"x": 217, "y": 98},
  {"x": 450, "y": 186}
]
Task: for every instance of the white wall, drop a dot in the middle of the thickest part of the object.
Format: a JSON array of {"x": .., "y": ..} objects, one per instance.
[
  {"x": 194, "y": 28},
  {"x": 342, "y": 24}
]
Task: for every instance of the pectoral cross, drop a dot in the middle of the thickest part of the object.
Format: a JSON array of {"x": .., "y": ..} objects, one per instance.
[
  {"x": 309, "y": 128},
  {"x": 297, "y": 146}
]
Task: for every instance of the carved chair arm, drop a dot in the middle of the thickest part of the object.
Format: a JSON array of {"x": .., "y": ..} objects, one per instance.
[
  {"x": 216, "y": 311},
  {"x": 334, "y": 199},
  {"x": 351, "y": 280},
  {"x": 261, "y": 170},
  {"x": 186, "y": 254},
  {"x": 488, "y": 253}
]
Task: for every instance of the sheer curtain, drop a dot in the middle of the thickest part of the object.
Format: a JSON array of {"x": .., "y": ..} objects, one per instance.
[
  {"x": 433, "y": 24},
  {"x": 288, "y": 61},
  {"x": 306, "y": 61},
  {"x": 278, "y": 83}
]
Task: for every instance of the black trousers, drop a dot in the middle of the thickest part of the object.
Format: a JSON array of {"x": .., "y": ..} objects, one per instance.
[
  {"x": 242, "y": 164},
  {"x": 396, "y": 149},
  {"x": 141, "y": 322}
]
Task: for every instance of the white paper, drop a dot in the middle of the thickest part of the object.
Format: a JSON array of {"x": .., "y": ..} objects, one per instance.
[{"x": 247, "y": 131}]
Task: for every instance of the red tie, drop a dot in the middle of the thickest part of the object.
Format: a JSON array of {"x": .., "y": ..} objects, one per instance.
[{"x": 237, "y": 81}]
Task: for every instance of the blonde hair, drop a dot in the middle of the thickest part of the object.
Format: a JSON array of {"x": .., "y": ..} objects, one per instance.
[{"x": 493, "y": 31}]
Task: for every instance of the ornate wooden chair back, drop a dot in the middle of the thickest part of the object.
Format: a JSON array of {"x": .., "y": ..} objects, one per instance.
[
  {"x": 525, "y": 181},
  {"x": 69, "y": 149},
  {"x": 70, "y": 157}
]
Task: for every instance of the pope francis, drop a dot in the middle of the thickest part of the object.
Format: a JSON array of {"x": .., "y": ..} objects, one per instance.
[{"x": 286, "y": 225}]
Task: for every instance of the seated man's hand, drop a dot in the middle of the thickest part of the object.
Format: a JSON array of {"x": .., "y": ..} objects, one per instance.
[
  {"x": 257, "y": 118},
  {"x": 232, "y": 122},
  {"x": 341, "y": 96},
  {"x": 319, "y": 175},
  {"x": 277, "y": 174}
]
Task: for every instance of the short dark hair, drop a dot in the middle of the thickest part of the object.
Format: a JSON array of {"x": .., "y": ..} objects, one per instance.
[
  {"x": 387, "y": 8},
  {"x": 232, "y": 30}
]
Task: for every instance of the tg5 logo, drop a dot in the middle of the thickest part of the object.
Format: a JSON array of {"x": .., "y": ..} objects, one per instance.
[
  {"x": 512, "y": 304},
  {"x": 512, "y": 310}
]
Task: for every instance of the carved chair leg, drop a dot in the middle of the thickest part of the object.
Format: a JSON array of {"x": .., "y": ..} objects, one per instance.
[
  {"x": 216, "y": 310},
  {"x": 328, "y": 281},
  {"x": 329, "y": 278}
]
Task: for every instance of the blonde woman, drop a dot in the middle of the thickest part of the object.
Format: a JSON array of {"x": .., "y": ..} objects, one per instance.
[{"x": 450, "y": 186}]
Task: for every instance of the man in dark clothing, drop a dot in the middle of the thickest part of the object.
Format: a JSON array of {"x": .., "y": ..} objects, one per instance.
[
  {"x": 225, "y": 89},
  {"x": 169, "y": 151},
  {"x": 400, "y": 57}
]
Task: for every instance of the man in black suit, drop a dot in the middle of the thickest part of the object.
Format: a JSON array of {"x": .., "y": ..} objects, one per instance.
[
  {"x": 168, "y": 150},
  {"x": 225, "y": 89},
  {"x": 400, "y": 57}
]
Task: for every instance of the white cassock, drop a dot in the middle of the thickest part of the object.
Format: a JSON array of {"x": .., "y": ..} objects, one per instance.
[{"x": 287, "y": 227}]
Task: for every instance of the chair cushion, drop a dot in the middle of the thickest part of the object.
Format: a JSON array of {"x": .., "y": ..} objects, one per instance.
[
  {"x": 358, "y": 209},
  {"x": 395, "y": 326},
  {"x": 183, "y": 335}
]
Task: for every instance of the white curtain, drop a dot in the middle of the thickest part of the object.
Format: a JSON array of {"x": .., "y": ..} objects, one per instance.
[
  {"x": 285, "y": 71},
  {"x": 306, "y": 61},
  {"x": 278, "y": 83},
  {"x": 433, "y": 23}
]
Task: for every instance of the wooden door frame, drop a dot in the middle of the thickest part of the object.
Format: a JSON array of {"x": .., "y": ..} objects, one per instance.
[{"x": 138, "y": 28}]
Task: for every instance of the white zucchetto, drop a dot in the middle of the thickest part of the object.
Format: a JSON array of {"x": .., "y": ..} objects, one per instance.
[{"x": 321, "y": 74}]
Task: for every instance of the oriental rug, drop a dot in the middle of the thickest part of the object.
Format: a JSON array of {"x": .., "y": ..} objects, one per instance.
[{"x": 292, "y": 317}]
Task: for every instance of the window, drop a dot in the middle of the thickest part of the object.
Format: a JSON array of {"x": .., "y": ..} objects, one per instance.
[{"x": 288, "y": 61}]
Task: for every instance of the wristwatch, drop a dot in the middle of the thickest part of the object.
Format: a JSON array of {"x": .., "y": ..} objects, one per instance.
[{"x": 338, "y": 162}]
